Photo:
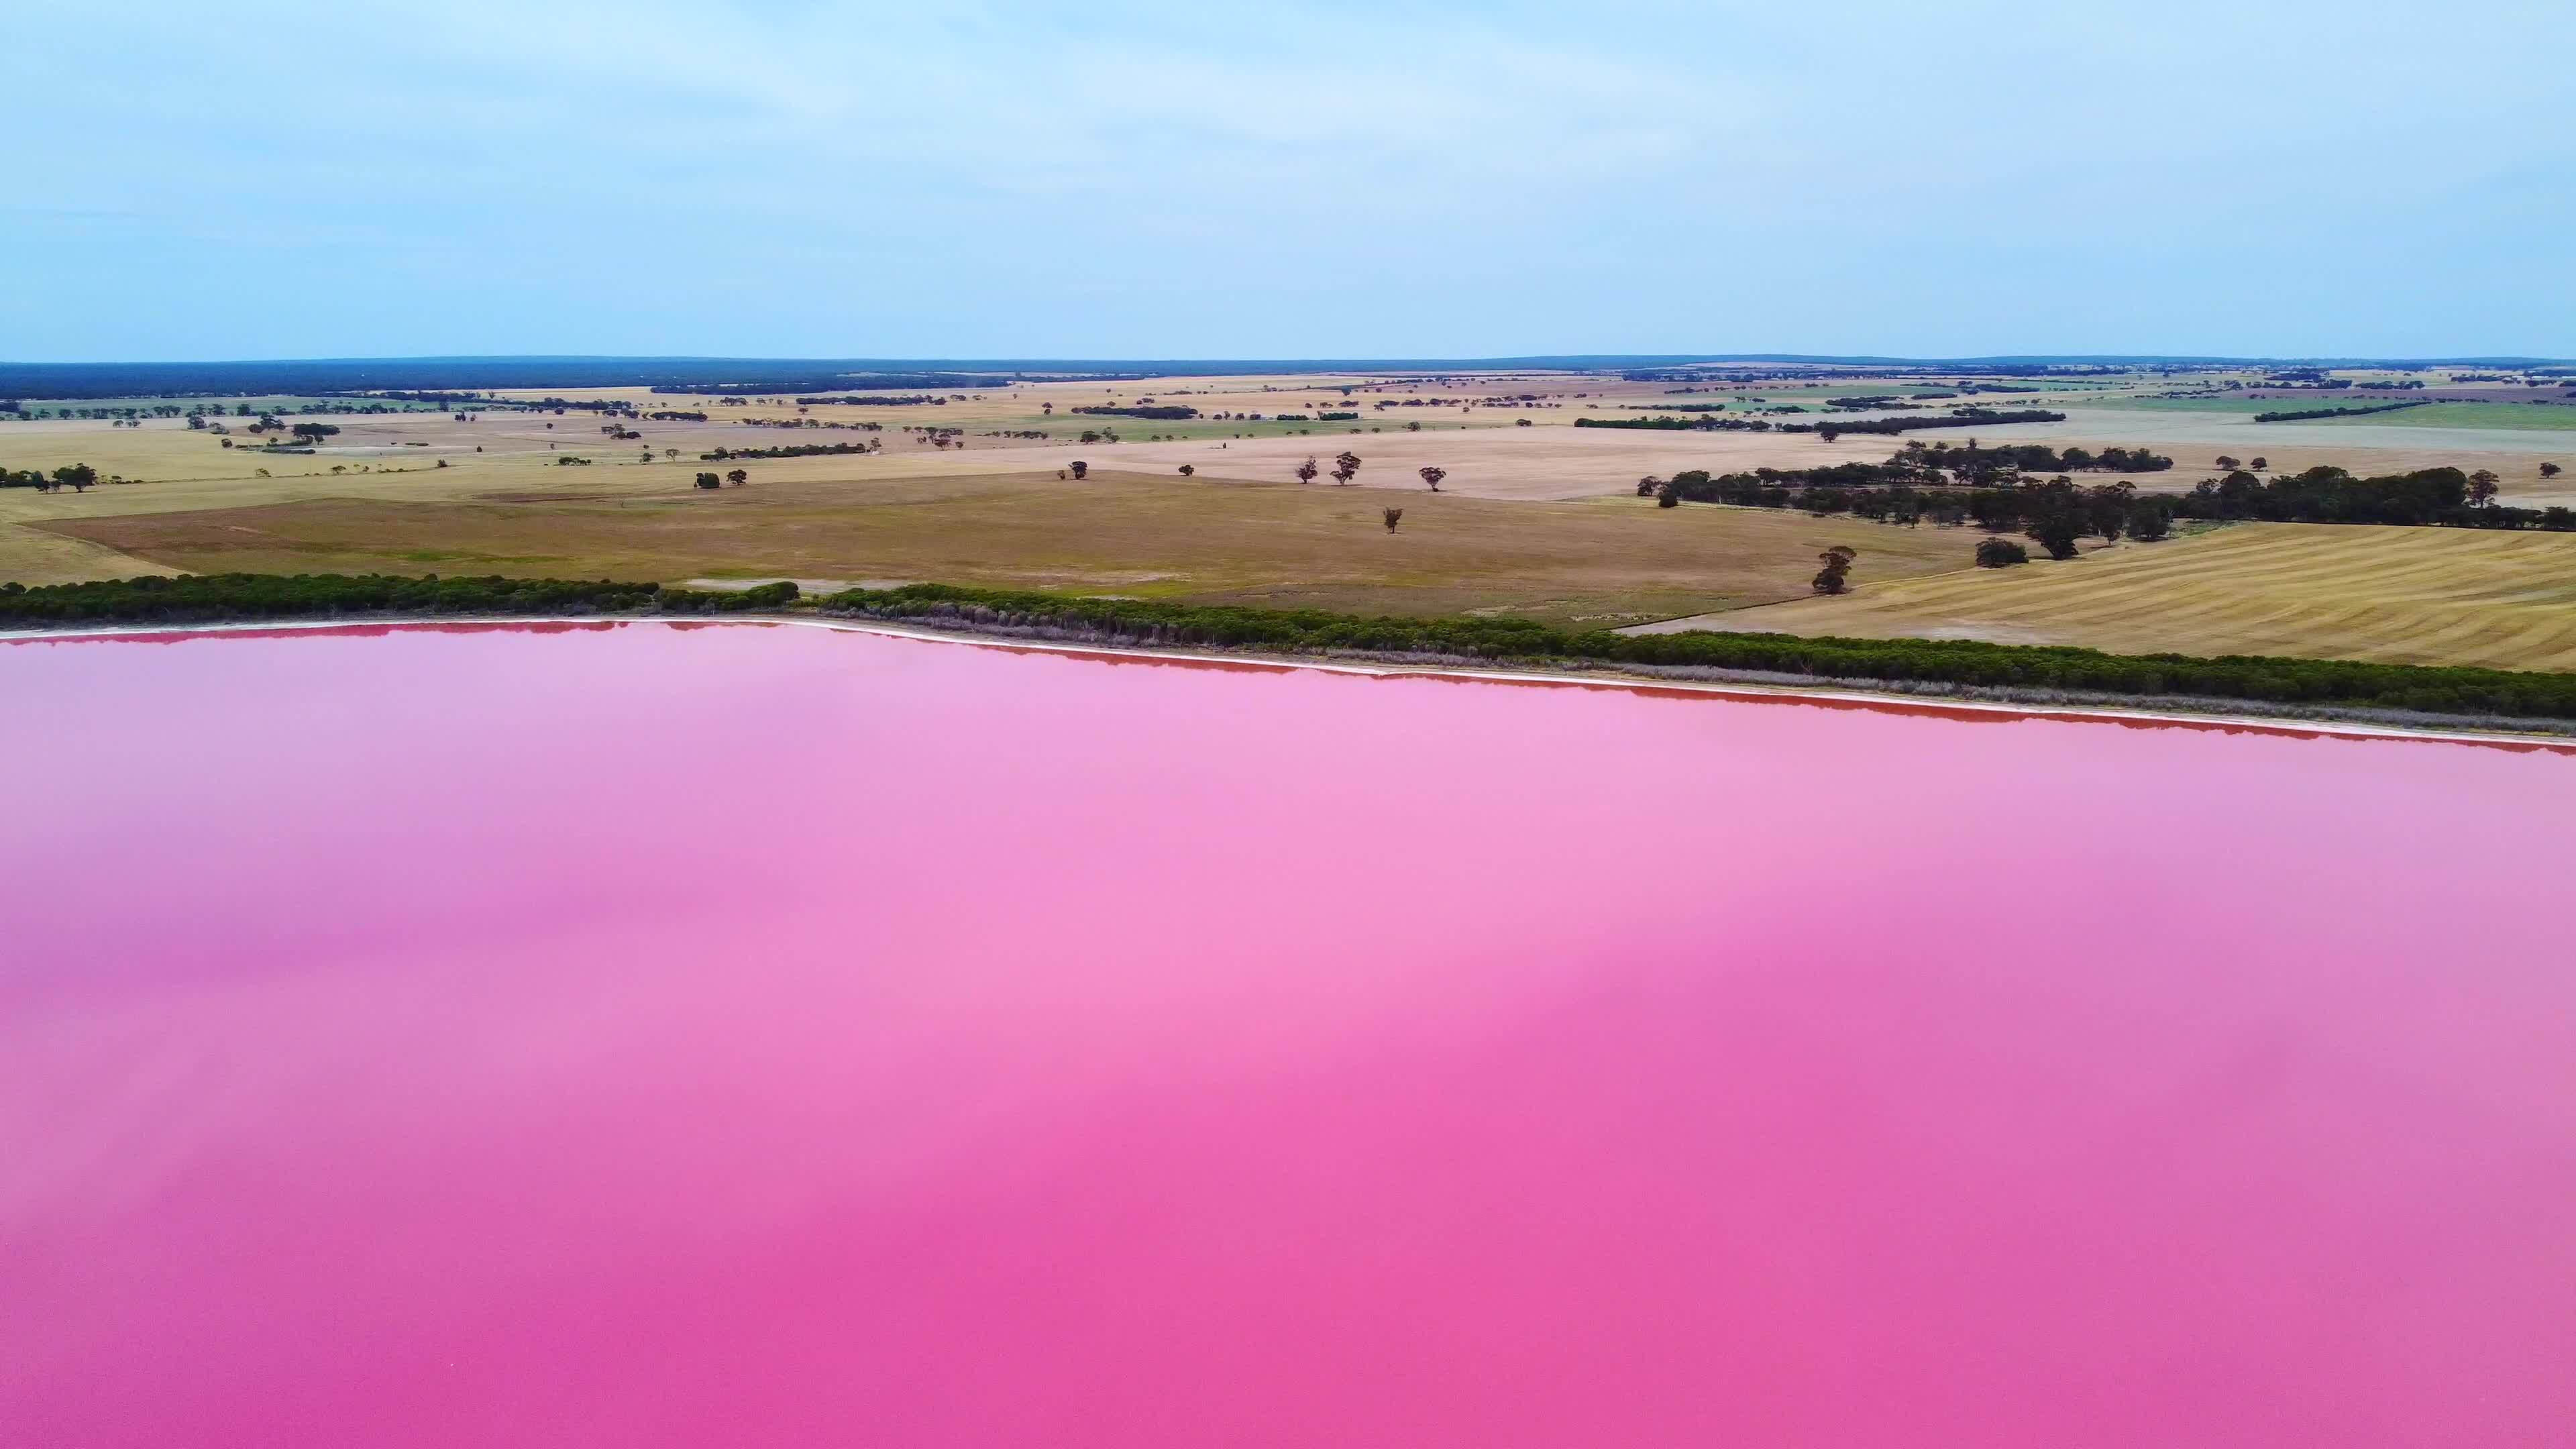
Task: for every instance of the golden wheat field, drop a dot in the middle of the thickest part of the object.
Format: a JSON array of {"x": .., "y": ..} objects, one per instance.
[{"x": 2397, "y": 595}]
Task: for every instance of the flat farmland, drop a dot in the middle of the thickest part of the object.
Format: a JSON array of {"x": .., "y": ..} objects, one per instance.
[
  {"x": 2396, "y": 595},
  {"x": 1605, "y": 562}
]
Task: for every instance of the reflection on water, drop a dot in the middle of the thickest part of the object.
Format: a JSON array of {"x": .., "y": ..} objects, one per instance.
[{"x": 637, "y": 1034}]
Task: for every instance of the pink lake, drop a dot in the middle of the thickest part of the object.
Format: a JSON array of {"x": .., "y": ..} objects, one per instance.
[{"x": 739, "y": 1035}]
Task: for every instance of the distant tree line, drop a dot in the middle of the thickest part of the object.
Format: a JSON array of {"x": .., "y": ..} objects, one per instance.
[
  {"x": 840, "y": 382},
  {"x": 1976, "y": 463},
  {"x": 1956, "y": 418},
  {"x": 871, "y": 400},
  {"x": 1163, "y": 413},
  {"x": 2302, "y": 414},
  {"x": 792, "y": 450},
  {"x": 1704, "y": 423}
]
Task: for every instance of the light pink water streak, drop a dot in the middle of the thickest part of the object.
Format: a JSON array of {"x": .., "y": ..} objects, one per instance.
[{"x": 645, "y": 1035}]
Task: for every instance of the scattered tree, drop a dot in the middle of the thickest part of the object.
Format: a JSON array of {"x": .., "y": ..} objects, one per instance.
[
  {"x": 2482, "y": 489},
  {"x": 1187, "y": 470},
  {"x": 2225, "y": 461},
  {"x": 1081, "y": 470},
  {"x": 1433, "y": 476},
  {"x": 1307, "y": 470},
  {"x": 737, "y": 477},
  {"x": 2549, "y": 470},
  {"x": 709, "y": 480},
  {"x": 2259, "y": 464},
  {"x": 1647, "y": 485},
  {"x": 1394, "y": 516},
  {"x": 1346, "y": 467},
  {"x": 1995, "y": 553}
]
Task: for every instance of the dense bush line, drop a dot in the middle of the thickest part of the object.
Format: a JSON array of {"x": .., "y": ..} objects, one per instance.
[
  {"x": 2497, "y": 692},
  {"x": 201, "y": 598}
]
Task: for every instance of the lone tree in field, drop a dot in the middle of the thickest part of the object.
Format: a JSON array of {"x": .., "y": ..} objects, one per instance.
[
  {"x": 737, "y": 477},
  {"x": 1345, "y": 468},
  {"x": 2225, "y": 461},
  {"x": 709, "y": 480},
  {"x": 1081, "y": 469},
  {"x": 2259, "y": 464},
  {"x": 1394, "y": 516},
  {"x": 1307, "y": 470},
  {"x": 2549, "y": 470},
  {"x": 1995, "y": 553},
  {"x": 2482, "y": 488},
  {"x": 1835, "y": 576},
  {"x": 1433, "y": 476},
  {"x": 1187, "y": 470}
]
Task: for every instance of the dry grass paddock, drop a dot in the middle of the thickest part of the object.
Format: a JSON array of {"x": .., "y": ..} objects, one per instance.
[{"x": 1148, "y": 535}]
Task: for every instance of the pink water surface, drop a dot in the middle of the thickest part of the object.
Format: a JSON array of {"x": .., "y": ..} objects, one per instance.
[{"x": 647, "y": 1035}]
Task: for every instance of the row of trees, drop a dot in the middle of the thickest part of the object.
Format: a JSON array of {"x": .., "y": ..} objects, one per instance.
[{"x": 2054, "y": 513}]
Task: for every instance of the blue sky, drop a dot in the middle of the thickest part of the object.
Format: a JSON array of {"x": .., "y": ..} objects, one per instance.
[{"x": 1105, "y": 180}]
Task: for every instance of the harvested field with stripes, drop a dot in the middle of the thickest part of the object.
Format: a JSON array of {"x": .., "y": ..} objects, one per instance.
[{"x": 2398, "y": 595}]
